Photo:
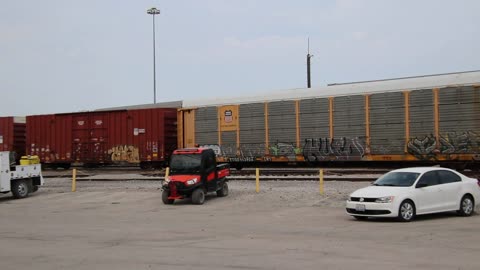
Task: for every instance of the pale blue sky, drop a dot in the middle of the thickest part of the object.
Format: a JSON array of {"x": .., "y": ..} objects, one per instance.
[{"x": 62, "y": 56}]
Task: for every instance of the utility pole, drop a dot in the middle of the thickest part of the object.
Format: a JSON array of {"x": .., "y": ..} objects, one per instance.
[{"x": 309, "y": 82}]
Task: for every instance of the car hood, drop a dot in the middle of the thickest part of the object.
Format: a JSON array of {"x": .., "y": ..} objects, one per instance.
[{"x": 378, "y": 191}]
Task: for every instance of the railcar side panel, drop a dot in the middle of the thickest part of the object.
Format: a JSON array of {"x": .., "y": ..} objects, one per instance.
[
  {"x": 348, "y": 141},
  {"x": 206, "y": 126},
  {"x": 282, "y": 130},
  {"x": 50, "y": 138},
  {"x": 422, "y": 143},
  {"x": 12, "y": 135},
  {"x": 252, "y": 130},
  {"x": 141, "y": 136},
  {"x": 229, "y": 145},
  {"x": 459, "y": 113},
  {"x": 387, "y": 123},
  {"x": 314, "y": 129}
]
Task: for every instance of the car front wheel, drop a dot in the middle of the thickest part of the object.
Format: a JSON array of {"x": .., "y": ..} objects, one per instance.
[{"x": 406, "y": 212}]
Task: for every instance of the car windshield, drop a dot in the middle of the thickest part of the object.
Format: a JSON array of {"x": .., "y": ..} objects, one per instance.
[
  {"x": 185, "y": 163},
  {"x": 397, "y": 179}
]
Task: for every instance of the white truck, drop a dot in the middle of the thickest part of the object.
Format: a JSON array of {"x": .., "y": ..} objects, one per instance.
[{"x": 21, "y": 180}]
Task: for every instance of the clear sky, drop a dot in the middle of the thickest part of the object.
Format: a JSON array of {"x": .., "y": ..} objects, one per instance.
[{"x": 65, "y": 55}]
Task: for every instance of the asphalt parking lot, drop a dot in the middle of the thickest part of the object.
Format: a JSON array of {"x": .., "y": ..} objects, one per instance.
[{"x": 288, "y": 225}]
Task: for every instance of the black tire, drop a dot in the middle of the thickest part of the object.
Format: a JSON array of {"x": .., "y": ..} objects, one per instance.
[
  {"x": 165, "y": 199},
  {"x": 223, "y": 192},
  {"x": 20, "y": 189},
  {"x": 360, "y": 217},
  {"x": 406, "y": 211},
  {"x": 467, "y": 206},
  {"x": 198, "y": 196}
]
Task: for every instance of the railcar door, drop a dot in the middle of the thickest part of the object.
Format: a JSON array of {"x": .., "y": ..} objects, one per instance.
[
  {"x": 90, "y": 137},
  {"x": 98, "y": 138},
  {"x": 81, "y": 138}
]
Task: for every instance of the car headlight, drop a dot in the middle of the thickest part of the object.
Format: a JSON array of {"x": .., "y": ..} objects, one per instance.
[
  {"x": 192, "y": 181},
  {"x": 388, "y": 199}
]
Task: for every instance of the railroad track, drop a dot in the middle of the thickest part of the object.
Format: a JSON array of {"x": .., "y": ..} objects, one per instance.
[{"x": 266, "y": 174}]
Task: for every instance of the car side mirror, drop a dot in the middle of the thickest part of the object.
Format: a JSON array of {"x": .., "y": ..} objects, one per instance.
[{"x": 422, "y": 185}]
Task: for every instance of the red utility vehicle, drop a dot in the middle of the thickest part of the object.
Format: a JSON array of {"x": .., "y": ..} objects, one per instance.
[{"x": 193, "y": 173}]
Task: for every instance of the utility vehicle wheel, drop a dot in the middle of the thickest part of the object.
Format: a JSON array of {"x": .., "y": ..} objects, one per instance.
[
  {"x": 360, "y": 217},
  {"x": 223, "y": 191},
  {"x": 20, "y": 189},
  {"x": 198, "y": 196},
  {"x": 406, "y": 212},
  {"x": 466, "y": 206},
  {"x": 165, "y": 198}
]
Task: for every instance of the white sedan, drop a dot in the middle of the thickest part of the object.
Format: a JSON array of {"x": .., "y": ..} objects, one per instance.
[{"x": 405, "y": 193}]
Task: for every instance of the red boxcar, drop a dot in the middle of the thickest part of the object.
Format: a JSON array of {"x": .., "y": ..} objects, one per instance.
[
  {"x": 12, "y": 135},
  {"x": 144, "y": 137}
]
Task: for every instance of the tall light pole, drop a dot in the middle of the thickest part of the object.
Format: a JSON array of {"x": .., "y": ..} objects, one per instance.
[
  {"x": 154, "y": 11},
  {"x": 309, "y": 82}
]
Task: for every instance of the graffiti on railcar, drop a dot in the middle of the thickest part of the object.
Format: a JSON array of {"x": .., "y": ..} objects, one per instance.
[
  {"x": 287, "y": 150},
  {"x": 224, "y": 150},
  {"x": 392, "y": 146},
  {"x": 343, "y": 148},
  {"x": 426, "y": 148},
  {"x": 254, "y": 150},
  {"x": 314, "y": 149},
  {"x": 127, "y": 153},
  {"x": 215, "y": 147}
]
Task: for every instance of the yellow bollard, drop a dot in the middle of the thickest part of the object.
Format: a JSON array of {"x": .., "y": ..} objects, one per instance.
[
  {"x": 321, "y": 182},
  {"x": 167, "y": 172},
  {"x": 257, "y": 181},
  {"x": 74, "y": 180}
]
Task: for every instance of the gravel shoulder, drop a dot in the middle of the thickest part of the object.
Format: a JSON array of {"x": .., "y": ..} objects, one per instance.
[{"x": 242, "y": 193}]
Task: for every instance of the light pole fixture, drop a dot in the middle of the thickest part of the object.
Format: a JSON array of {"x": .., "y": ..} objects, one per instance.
[{"x": 154, "y": 11}]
